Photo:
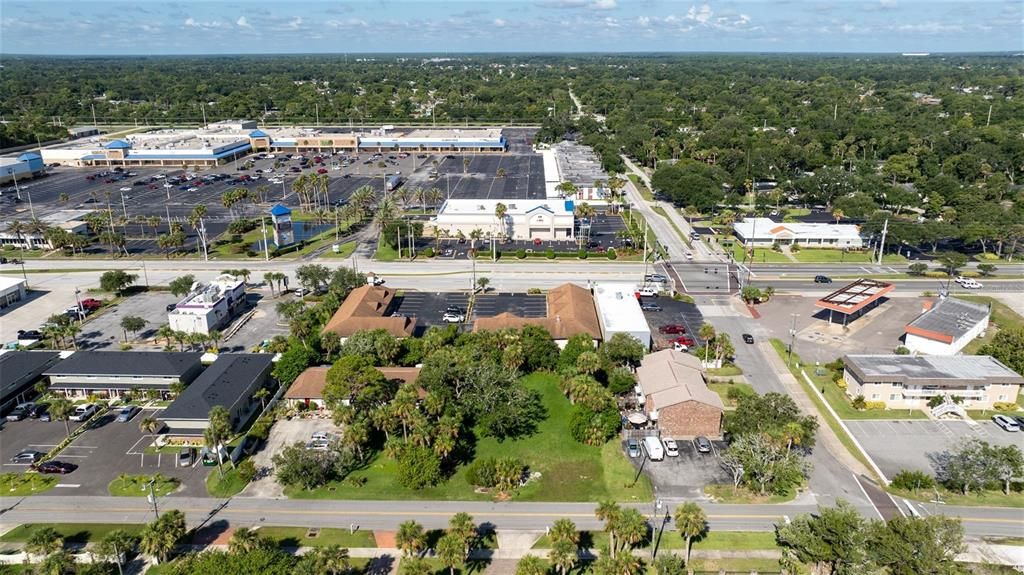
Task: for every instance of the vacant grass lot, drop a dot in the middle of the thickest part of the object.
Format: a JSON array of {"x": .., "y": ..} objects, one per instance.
[
  {"x": 712, "y": 541},
  {"x": 227, "y": 486},
  {"x": 822, "y": 256},
  {"x": 979, "y": 499},
  {"x": 296, "y": 537},
  {"x": 761, "y": 255},
  {"x": 21, "y": 484},
  {"x": 570, "y": 471},
  {"x": 1002, "y": 316},
  {"x": 71, "y": 532},
  {"x": 136, "y": 486},
  {"x": 724, "y": 493}
]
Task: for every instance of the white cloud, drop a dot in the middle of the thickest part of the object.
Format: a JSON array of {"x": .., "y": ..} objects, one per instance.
[
  {"x": 347, "y": 23},
  {"x": 931, "y": 27},
  {"x": 701, "y": 15},
  {"x": 243, "y": 23},
  {"x": 643, "y": 22},
  {"x": 887, "y": 3},
  {"x": 193, "y": 23},
  {"x": 603, "y": 5},
  {"x": 296, "y": 23},
  {"x": 500, "y": 23}
]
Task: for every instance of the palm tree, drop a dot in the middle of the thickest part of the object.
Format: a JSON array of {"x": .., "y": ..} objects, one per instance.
[
  {"x": 609, "y": 512},
  {"x": 410, "y": 538},
  {"x": 433, "y": 196},
  {"x": 217, "y": 433},
  {"x": 632, "y": 528},
  {"x": 500, "y": 209},
  {"x": 335, "y": 559},
  {"x": 531, "y": 565},
  {"x": 564, "y": 530},
  {"x": 416, "y": 566},
  {"x": 44, "y": 541},
  {"x": 475, "y": 235},
  {"x": 706, "y": 333},
  {"x": 61, "y": 410},
  {"x": 567, "y": 189},
  {"x": 17, "y": 229},
  {"x": 563, "y": 556},
  {"x": 691, "y": 522},
  {"x": 584, "y": 211},
  {"x": 268, "y": 278},
  {"x": 244, "y": 540},
  {"x": 150, "y": 425},
  {"x": 262, "y": 394},
  {"x": 838, "y": 214},
  {"x": 57, "y": 563}
]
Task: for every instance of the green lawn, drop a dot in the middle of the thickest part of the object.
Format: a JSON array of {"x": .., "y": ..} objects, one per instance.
[
  {"x": 761, "y": 255},
  {"x": 725, "y": 370},
  {"x": 345, "y": 251},
  {"x": 823, "y": 255},
  {"x": 136, "y": 486},
  {"x": 982, "y": 499},
  {"x": 845, "y": 439},
  {"x": 724, "y": 493},
  {"x": 21, "y": 484},
  {"x": 227, "y": 486},
  {"x": 722, "y": 389},
  {"x": 71, "y": 532},
  {"x": 296, "y": 537},
  {"x": 713, "y": 541},
  {"x": 385, "y": 253},
  {"x": 570, "y": 471},
  {"x": 1002, "y": 316},
  {"x": 645, "y": 192}
]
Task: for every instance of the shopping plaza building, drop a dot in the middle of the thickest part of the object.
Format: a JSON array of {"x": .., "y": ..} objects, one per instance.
[{"x": 226, "y": 141}]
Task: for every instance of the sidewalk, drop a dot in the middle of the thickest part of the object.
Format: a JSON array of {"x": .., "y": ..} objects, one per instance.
[{"x": 826, "y": 436}]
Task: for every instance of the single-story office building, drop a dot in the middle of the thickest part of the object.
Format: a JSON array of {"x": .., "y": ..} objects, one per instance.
[{"x": 112, "y": 373}]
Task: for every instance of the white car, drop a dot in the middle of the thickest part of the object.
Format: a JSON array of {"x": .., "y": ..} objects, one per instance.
[
  {"x": 159, "y": 177},
  {"x": 671, "y": 448},
  {"x": 168, "y": 185},
  {"x": 269, "y": 170},
  {"x": 970, "y": 283},
  {"x": 449, "y": 317},
  {"x": 689, "y": 256},
  {"x": 84, "y": 412},
  {"x": 271, "y": 156},
  {"x": 126, "y": 189}
]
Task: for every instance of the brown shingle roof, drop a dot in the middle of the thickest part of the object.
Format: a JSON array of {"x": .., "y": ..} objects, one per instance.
[
  {"x": 310, "y": 383},
  {"x": 571, "y": 310},
  {"x": 670, "y": 377},
  {"x": 364, "y": 309}
]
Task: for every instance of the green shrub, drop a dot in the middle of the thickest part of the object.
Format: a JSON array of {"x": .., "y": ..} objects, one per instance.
[
  {"x": 247, "y": 470},
  {"x": 550, "y": 254},
  {"x": 917, "y": 269},
  {"x": 901, "y": 350},
  {"x": 534, "y": 291},
  {"x": 612, "y": 255},
  {"x": 988, "y": 256},
  {"x": 874, "y": 405},
  {"x": 858, "y": 402},
  {"x": 427, "y": 252},
  {"x": 582, "y": 254},
  {"x": 912, "y": 480},
  {"x": 840, "y": 383},
  {"x": 1004, "y": 406},
  {"x": 794, "y": 248},
  {"x": 520, "y": 253},
  {"x": 418, "y": 467},
  {"x": 935, "y": 274},
  {"x": 736, "y": 393}
]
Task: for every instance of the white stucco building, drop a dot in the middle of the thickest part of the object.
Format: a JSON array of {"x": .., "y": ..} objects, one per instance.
[
  {"x": 765, "y": 232},
  {"x": 550, "y": 219},
  {"x": 945, "y": 327},
  {"x": 618, "y": 310},
  {"x": 12, "y": 290},
  {"x": 208, "y": 307}
]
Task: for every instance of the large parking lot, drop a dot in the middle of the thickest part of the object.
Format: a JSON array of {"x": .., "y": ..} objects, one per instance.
[
  {"x": 104, "y": 330},
  {"x": 104, "y": 451},
  {"x": 520, "y": 304},
  {"x": 895, "y": 445},
  {"x": 673, "y": 313},
  {"x": 688, "y": 473},
  {"x": 428, "y": 307}
]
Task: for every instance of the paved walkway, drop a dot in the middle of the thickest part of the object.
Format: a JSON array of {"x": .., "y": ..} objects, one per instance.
[{"x": 826, "y": 436}]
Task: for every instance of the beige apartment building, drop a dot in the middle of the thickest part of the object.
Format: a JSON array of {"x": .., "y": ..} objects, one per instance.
[{"x": 909, "y": 382}]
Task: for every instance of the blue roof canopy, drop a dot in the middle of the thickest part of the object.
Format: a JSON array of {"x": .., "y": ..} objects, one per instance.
[
  {"x": 570, "y": 206},
  {"x": 279, "y": 210},
  {"x": 258, "y": 134},
  {"x": 118, "y": 145},
  {"x": 28, "y": 156}
]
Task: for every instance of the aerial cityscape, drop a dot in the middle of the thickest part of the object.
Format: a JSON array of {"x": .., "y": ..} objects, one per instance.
[{"x": 553, "y": 287}]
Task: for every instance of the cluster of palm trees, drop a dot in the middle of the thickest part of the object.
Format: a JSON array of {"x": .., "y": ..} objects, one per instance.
[
  {"x": 28, "y": 232},
  {"x": 453, "y": 549},
  {"x": 60, "y": 328},
  {"x": 272, "y": 278},
  {"x": 422, "y": 197},
  {"x": 192, "y": 340},
  {"x": 313, "y": 191}
]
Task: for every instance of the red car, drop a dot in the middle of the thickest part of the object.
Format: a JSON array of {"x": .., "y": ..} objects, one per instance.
[
  {"x": 322, "y": 171},
  {"x": 58, "y": 467},
  {"x": 672, "y": 328},
  {"x": 684, "y": 340},
  {"x": 91, "y": 304}
]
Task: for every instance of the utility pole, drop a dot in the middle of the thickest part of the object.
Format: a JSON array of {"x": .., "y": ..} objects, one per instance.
[
  {"x": 152, "y": 498},
  {"x": 203, "y": 106},
  {"x": 989, "y": 120},
  {"x": 266, "y": 247},
  {"x": 792, "y": 338},
  {"x": 881, "y": 244},
  {"x": 95, "y": 125}
]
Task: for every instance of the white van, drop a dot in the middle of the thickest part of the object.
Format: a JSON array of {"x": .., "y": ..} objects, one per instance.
[
  {"x": 647, "y": 291},
  {"x": 655, "y": 450}
]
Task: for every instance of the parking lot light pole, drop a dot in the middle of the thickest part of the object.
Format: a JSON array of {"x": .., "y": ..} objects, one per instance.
[{"x": 792, "y": 338}]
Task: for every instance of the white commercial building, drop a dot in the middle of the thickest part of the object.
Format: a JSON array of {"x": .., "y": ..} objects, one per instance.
[
  {"x": 549, "y": 219},
  {"x": 618, "y": 310},
  {"x": 208, "y": 307},
  {"x": 72, "y": 221},
  {"x": 765, "y": 232},
  {"x": 12, "y": 290},
  {"x": 946, "y": 327},
  {"x": 578, "y": 164}
]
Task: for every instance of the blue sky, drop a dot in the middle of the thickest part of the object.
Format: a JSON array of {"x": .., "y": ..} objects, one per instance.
[{"x": 141, "y": 27}]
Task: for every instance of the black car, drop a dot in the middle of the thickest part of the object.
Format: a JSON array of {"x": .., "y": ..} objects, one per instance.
[
  {"x": 171, "y": 306},
  {"x": 453, "y": 309},
  {"x": 650, "y": 307},
  {"x": 747, "y": 338},
  {"x": 58, "y": 467},
  {"x": 822, "y": 280},
  {"x": 29, "y": 334},
  {"x": 21, "y": 411},
  {"x": 38, "y": 411}
]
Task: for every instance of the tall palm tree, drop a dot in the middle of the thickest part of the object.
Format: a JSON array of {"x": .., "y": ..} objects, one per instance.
[
  {"x": 691, "y": 522},
  {"x": 433, "y": 197},
  {"x": 410, "y": 538},
  {"x": 17, "y": 228},
  {"x": 268, "y": 278},
  {"x": 61, "y": 410},
  {"x": 584, "y": 211},
  {"x": 475, "y": 235},
  {"x": 706, "y": 333},
  {"x": 217, "y": 433},
  {"x": 500, "y": 210},
  {"x": 335, "y": 559},
  {"x": 244, "y": 540},
  {"x": 71, "y": 330},
  {"x": 150, "y": 425},
  {"x": 609, "y": 512},
  {"x": 531, "y": 565}
]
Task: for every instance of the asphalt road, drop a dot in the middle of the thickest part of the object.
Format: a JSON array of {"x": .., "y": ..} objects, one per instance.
[
  {"x": 242, "y": 511},
  {"x": 808, "y": 287}
]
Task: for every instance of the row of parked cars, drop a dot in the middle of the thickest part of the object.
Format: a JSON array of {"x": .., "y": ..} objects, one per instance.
[{"x": 656, "y": 449}]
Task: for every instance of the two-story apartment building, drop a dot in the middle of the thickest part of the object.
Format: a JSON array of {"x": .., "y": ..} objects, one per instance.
[{"x": 909, "y": 382}]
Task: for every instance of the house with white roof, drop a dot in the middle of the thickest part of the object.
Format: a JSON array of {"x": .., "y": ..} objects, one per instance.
[
  {"x": 945, "y": 327},
  {"x": 763, "y": 232},
  {"x": 549, "y": 219}
]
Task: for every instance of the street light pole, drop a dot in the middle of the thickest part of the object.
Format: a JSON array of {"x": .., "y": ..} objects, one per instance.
[
  {"x": 654, "y": 519},
  {"x": 152, "y": 498},
  {"x": 792, "y": 338}
]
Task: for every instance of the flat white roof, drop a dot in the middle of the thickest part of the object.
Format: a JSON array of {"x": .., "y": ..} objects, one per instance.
[
  {"x": 514, "y": 207},
  {"x": 765, "y": 228},
  {"x": 8, "y": 282},
  {"x": 618, "y": 307}
]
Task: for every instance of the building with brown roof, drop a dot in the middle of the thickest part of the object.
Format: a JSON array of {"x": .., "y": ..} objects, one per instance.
[
  {"x": 570, "y": 311},
  {"x": 308, "y": 388},
  {"x": 366, "y": 308},
  {"x": 676, "y": 395}
]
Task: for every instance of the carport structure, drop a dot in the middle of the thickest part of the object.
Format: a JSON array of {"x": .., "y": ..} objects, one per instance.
[{"x": 853, "y": 300}]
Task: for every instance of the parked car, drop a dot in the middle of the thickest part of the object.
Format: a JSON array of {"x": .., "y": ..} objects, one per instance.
[
  {"x": 91, "y": 304},
  {"x": 172, "y": 306},
  {"x": 21, "y": 411},
  {"x": 822, "y": 280},
  {"x": 322, "y": 171},
  {"x": 633, "y": 448},
  {"x": 672, "y": 328},
  {"x": 126, "y": 189},
  {"x": 58, "y": 467},
  {"x": 27, "y": 456},
  {"x": 450, "y": 317},
  {"x": 127, "y": 413},
  {"x": 650, "y": 307},
  {"x": 703, "y": 444},
  {"x": 671, "y": 447},
  {"x": 29, "y": 334},
  {"x": 1007, "y": 423},
  {"x": 647, "y": 291},
  {"x": 747, "y": 338},
  {"x": 38, "y": 411},
  {"x": 84, "y": 412},
  {"x": 454, "y": 309},
  {"x": 186, "y": 457},
  {"x": 970, "y": 283},
  {"x": 685, "y": 340}
]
